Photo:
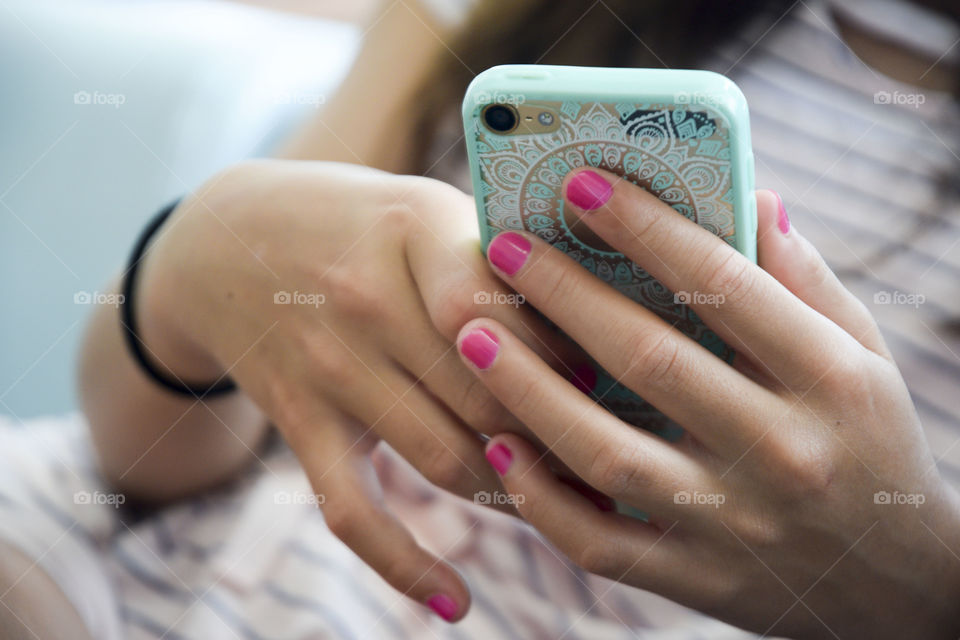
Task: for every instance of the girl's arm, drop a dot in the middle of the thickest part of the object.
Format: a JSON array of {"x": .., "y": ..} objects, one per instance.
[
  {"x": 153, "y": 444},
  {"x": 331, "y": 294}
]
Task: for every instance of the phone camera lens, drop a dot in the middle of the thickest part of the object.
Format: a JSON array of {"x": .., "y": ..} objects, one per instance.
[{"x": 499, "y": 117}]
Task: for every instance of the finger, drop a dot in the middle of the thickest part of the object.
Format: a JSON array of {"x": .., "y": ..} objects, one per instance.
[
  {"x": 790, "y": 258},
  {"x": 624, "y": 463},
  {"x": 464, "y": 394},
  {"x": 429, "y": 359},
  {"x": 398, "y": 409},
  {"x": 456, "y": 283},
  {"x": 747, "y": 307},
  {"x": 335, "y": 457},
  {"x": 680, "y": 377},
  {"x": 432, "y": 360},
  {"x": 602, "y": 542}
]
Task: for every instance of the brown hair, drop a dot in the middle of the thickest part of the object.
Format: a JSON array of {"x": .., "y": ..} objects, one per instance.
[{"x": 609, "y": 33}]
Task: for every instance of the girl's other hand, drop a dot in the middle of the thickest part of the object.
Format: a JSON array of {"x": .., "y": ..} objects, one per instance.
[
  {"x": 803, "y": 499},
  {"x": 332, "y": 295}
]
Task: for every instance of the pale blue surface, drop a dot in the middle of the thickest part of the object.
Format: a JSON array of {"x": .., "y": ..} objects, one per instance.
[{"x": 203, "y": 83}]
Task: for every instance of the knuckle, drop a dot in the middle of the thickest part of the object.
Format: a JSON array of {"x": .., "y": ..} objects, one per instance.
[
  {"x": 526, "y": 395},
  {"x": 481, "y": 409},
  {"x": 355, "y": 293},
  {"x": 331, "y": 363},
  {"x": 444, "y": 468},
  {"x": 647, "y": 221},
  {"x": 532, "y": 509},
  {"x": 846, "y": 376},
  {"x": 553, "y": 285},
  {"x": 816, "y": 272},
  {"x": 423, "y": 194},
  {"x": 430, "y": 203},
  {"x": 805, "y": 469},
  {"x": 654, "y": 358},
  {"x": 726, "y": 272},
  {"x": 618, "y": 471},
  {"x": 757, "y": 531},
  {"x": 286, "y": 409},
  {"x": 395, "y": 220},
  {"x": 454, "y": 305},
  {"x": 834, "y": 368},
  {"x": 597, "y": 556},
  {"x": 396, "y": 571},
  {"x": 871, "y": 330},
  {"x": 343, "y": 522}
]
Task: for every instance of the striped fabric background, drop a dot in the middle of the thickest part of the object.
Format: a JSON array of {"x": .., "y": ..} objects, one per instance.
[{"x": 859, "y": 180}]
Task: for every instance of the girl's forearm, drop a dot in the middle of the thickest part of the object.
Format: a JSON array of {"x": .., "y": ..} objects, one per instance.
[{"x": 151, "y": 443}]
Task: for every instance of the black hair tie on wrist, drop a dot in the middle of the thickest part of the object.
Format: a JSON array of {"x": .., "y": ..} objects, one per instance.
[{"x": 129, "y": 320}]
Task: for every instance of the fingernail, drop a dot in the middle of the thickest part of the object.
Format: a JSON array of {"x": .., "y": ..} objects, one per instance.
[
  {"x": 783, "y": 220},
  {"x": 499, "y": 458},
  {"x": 584, "y": 378},
  {"x": 443, "y": 606},
  {"x": 508, "y": 251},
  {"x": 588, "y": 190},
  {"x": 480, "y": 347}
]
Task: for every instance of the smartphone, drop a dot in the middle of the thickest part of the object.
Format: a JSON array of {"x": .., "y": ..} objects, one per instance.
[{"x": 683, "y": 135}]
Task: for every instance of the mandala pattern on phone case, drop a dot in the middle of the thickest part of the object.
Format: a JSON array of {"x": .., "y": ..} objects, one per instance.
[{"x": 678, "y": 152}]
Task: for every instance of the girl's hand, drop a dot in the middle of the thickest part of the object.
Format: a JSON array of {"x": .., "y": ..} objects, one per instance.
[
  {"x": 803, "y": 499},
  {"x": 332, "y": 295}
]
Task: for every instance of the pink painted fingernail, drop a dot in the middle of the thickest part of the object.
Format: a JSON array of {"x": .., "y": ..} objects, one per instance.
[
  {"x": 508, "y": 251},
  {"x": 443, "y": 606},
  {"x": 499, "y": 458},
  {"x": 480, "y": 346},
  {"x": 584, "y": 378},
  {"x": 783, "y": 220},
  {"x": 588, "y": 190}
]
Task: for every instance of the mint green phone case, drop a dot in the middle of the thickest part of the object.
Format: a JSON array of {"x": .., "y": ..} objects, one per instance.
[{"x": 682, "y": 135}]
